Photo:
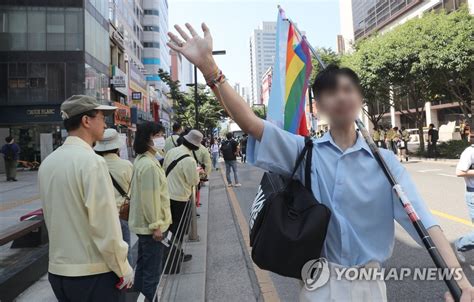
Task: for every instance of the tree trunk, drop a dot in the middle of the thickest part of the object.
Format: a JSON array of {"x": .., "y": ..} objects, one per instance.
[{"x": 421, "y": 135}]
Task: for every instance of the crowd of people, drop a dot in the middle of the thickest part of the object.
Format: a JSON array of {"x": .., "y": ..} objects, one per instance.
[{"x": 93, "y": 200}]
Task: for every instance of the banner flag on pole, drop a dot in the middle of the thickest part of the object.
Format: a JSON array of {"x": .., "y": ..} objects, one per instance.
[{"x": 291, "y": 72}]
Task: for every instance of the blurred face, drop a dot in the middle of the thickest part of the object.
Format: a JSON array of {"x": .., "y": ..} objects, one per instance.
[
  {"x": 342, "y": 104},
  {"x": 95, "y": 125}
]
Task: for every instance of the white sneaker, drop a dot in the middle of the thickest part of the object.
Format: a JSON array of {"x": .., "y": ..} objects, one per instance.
[
  {"x": 237, "y": 185},
  {"x": 458, "y": 252},
  {"x": 229, "y": 185}
]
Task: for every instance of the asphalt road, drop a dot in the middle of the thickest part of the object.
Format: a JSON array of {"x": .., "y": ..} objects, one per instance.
[{"x": 444, "y": 194}]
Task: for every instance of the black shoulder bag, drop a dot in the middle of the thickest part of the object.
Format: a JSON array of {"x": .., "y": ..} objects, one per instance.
[
  {"x": 288, "y": 224},
  {"x": 174, "y": 163}
]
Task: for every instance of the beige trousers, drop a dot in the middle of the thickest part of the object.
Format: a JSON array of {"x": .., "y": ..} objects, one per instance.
[{"x": 346, "y": 290}]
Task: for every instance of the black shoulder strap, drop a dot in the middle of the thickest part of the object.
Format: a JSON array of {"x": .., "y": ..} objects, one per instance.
[
  {"x": 174, "y": 163},
  {"x": 118, "y": 187},
  {"x": 172, "y": 140},
  {"x": 308, "y": 151},
  {"x": 195, "y": 157}
]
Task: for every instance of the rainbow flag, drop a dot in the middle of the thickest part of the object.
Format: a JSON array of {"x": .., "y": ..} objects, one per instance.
[{"x": 291, "y": 72}]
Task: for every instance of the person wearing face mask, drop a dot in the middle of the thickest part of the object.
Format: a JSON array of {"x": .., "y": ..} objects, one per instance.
[
  {"x": 182, "y": 173},
  {"x": 120, "y": 171},
  {"x": 150, "y": 215},
  {"x": 160, "y": 143}
]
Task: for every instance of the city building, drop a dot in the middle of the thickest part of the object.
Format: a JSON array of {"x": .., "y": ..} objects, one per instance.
[
  {"x": 362, "y": 18},
  {"x": 48, "y": 52},
  {"x": 262, "y": 54},
  {"x": 156, "y": 54},
  {"x": 266, "y": 85},
  {"x": 181, "y": 70}
]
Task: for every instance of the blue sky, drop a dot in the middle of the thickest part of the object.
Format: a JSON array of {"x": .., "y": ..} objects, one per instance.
[{"x": 232, "y": 22}]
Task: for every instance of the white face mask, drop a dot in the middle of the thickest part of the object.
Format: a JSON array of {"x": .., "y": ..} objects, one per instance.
[{"x": 159, "y": 142}]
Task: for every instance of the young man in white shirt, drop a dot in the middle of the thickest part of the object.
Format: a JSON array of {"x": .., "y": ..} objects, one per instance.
[
  {"x": 87, "y": 256},
  {"x": 464, "y": 169}
]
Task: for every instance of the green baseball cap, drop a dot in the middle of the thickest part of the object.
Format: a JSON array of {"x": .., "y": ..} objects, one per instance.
[{"x": 78, "y": 104}]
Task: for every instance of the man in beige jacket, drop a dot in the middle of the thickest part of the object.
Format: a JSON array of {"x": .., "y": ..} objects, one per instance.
[{"x": 87, "y": 256}]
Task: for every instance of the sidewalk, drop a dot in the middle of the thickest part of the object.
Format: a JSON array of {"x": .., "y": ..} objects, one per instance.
[{"x": 187, "y": 286}]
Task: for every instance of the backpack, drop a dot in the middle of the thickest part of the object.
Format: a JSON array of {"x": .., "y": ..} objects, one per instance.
[
  {"x": 9, "y": 152},
  {"x": 435, "y": 135},
  {"x": 228, "y": 150}
]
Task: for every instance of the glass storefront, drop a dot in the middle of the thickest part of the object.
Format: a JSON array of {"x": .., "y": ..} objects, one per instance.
[{"x": 29, "y": 139}]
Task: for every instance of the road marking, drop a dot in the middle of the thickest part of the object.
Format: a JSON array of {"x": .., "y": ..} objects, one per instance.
[
  {"x": 452, "y": 217},
  {"x": 428, "y": 170},
  {"x": 265, "y": 282},
  {"x": 447, "y": 175},
  {"x": 12, "y": 204}
]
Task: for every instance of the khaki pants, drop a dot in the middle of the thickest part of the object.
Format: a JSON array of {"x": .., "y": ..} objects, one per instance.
[
  {"x": 10, "y": 168},
  {"x": 345, "y": 290}
]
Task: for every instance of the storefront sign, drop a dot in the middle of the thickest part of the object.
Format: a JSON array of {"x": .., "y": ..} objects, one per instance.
[
  {"x": 119, "y": 80},
  {"x": 122, "y": 115},
  {"x": 136, "y": 96},
  {"x": 40, "y": 112}
]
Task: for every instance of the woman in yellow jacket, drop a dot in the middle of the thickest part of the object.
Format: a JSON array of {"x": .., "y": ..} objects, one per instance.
[{"x": 150, "y": 215}]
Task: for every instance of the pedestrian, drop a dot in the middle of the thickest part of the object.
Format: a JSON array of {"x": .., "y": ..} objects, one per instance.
[
  {"x": 172, "y": 140},
  {"x": 203, "y": 160},
  {"x": 182, "y": 173},
  {"x": 243, "y": 147},
  {"x": 214, "y": 153},
  {"x": 376, "y": 136},
  {"x": 403, "y": 144},
  {"x": 352, "y": 240},
  {"x": 389, "y": 140},
  {"x": 462, "y": 124},
  {"x": 120, "y": 171},
  {"x": 467, "y": 132},
  {"x": 383, "y": 136},
  {"x": 433, "y": 137},
  {"x": 465, "y": 169},
  {"x": 87, "y": 255},
  {"x": 230, "y": 149},
  {"x": 11, "y": 154},
  {"x": 150, "y": 215}
]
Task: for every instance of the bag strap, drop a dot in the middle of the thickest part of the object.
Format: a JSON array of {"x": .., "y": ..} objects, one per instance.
[
  {"x": 308, "y": 151},
  {"x": 172, "y": 140},
  {"x": 118, "y": 187},
  {"x": 174, "y": 163}
]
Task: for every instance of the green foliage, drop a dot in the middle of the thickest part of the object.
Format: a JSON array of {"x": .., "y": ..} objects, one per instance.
[
  {"x": 328, "y": 56},
  {"x": 259, "y": 111},
  {"x": 423, "y": 60},
  {"x": 184, "y": 104},
  {"x": 452, "y": 148}
]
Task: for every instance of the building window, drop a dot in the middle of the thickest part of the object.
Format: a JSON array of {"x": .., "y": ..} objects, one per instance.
[
  {"x": 152, "y": 12},
  {"x": 55, "y": 27},
  {"x": 154, "y": 28},
  {"x": 151, "y": 44},
  {"x": 74, "y": 29},
  {"x": 17, "y": 29},
  {"x": 36, "y": 28}
]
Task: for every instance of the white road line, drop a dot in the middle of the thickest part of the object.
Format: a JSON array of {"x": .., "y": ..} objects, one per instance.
[
  {"x": 429, "y": 170},
  {"x": 448, "y": 175}
]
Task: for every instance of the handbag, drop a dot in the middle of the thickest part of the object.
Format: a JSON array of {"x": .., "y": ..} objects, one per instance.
[
  {"x": 124, "y": 210},
  {"x": 288, "y": 224}
]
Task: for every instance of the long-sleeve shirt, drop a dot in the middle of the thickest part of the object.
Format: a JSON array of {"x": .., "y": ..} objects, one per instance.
[
  {"x": 13, "y": 147},
  {"x": 149, "y": 199},
  {"x": 352, "y": 185},
  {"x": 204, "y": 157},
  {"x": 171, "y": 142},
  {"x": 79, "y": 207},
  {"x": 183, "y": 176},
  {"x": 121, "y": 170}
]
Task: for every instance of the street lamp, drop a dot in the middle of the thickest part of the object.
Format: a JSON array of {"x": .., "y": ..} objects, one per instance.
[{"x": 195, "y": 84}]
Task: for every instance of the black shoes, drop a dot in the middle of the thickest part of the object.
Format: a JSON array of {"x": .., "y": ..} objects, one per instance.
[
  {"x": 187, "y": 257},
  {"x": 12, "y": 179}
]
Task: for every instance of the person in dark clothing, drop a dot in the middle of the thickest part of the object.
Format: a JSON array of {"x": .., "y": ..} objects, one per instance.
[
  {"x": 433, "y": 137},
  {"x": 10, "y": 153},
  {"x": 243, "y": 148},
  {"x": 230, "y": 149}
]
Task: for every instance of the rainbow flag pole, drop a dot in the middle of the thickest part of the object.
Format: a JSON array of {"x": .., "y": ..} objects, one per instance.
[{"x": 291, "y": 72}]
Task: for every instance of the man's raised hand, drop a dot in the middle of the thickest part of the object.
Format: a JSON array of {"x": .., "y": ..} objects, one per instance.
[{"x": 197, "y": 49}]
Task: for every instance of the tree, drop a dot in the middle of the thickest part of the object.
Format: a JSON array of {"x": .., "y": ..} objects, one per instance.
[
  {"x": 328, "y": 56},
  {"x": 372, "y": 76},
  {"x": 210, "y": 111},
  {"x": 260, "y": 111}
]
